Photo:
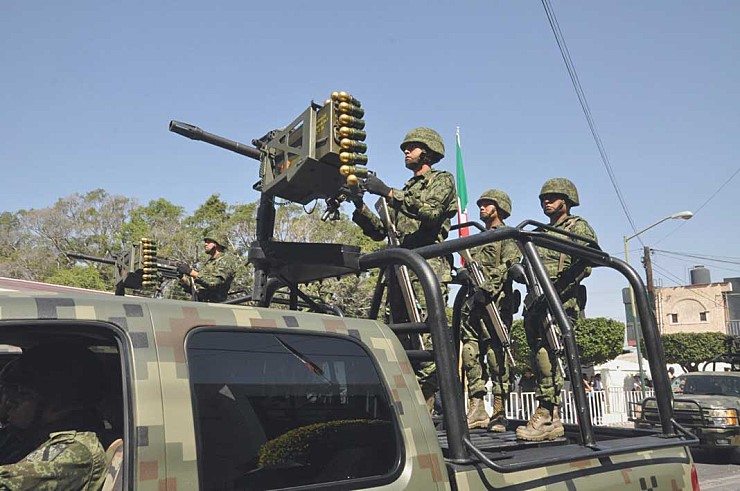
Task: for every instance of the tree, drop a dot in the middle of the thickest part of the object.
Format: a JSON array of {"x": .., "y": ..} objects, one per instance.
[
  {"x": 598, "y": 339},
  {"x": 79, "y": 276},
  {"x": 690, "y": 349}
]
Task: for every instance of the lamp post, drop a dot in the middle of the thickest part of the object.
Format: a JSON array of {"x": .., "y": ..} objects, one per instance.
[{"x": 683, "y": 215}]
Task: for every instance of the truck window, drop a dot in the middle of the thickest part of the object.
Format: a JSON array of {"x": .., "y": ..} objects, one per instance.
[{"x": 279, "y": 410}]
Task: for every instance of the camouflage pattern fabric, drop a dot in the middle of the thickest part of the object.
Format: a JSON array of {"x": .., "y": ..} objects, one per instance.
[
  {"x": 67, "y": 460},
  {"x": 566, "y": 276},
  {"x": 421, "y": 212},
  {"x": 215, "y": 276},
  {"x": 494, "y": 260}
]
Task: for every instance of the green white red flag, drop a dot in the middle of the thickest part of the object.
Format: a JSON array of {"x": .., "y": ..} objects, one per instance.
[{"x": 462, "y": 189}]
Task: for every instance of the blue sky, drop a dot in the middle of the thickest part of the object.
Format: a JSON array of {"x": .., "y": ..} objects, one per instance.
[{"x": 89, "y": 87}]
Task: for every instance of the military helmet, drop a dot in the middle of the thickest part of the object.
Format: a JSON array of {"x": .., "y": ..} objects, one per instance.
[
  {"x": 218, "y": 238},
  {"x": 60, "y": 373},
  {"x": 501, "y": 199},
  {"x": 561, "y": 185},
  {"x": 428, "y": 137}
]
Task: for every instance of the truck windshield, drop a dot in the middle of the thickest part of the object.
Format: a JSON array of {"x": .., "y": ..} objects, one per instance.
[{"x": 718, "y": 385}]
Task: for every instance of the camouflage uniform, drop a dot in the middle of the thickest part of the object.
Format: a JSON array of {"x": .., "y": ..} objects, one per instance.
[
  {"x": 494, "y": 259},
  {"x": 67, "y": 460},
  {"x": 215, "y": 276},
  {"x": 421, "y": 212},
  {"x": 567, "y": 283}
]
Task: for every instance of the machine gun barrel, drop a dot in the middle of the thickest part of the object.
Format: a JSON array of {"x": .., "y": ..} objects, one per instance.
[
  {"x": 85, "y": 257},
  {"x": 195, "y": 133}
]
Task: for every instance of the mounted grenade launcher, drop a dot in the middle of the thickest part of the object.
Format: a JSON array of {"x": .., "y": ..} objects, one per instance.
[
  {"x": 137, "y": 268},
  {"x": 317, "y": 156}
]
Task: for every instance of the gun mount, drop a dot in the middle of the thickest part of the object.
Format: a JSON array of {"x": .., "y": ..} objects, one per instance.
[
  {"x": 316, "y": 156},
  {"x": 301, "y": 162},
  {"x": 138, "y": 268}
]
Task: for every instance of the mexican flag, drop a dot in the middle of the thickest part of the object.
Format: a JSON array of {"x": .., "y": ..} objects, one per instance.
[{"x": 462, "y": 189}]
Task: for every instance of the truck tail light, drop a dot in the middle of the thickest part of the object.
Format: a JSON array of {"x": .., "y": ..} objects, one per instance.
[{"x": 694, "y": 479}]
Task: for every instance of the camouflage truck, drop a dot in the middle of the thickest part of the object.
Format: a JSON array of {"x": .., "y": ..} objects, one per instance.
[
  {"x": 252, "y": 397},
  {"x": 707, "y": 403}
]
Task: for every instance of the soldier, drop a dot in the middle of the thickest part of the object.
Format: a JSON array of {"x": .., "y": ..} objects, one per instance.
[
  {"x": 213, "y": 278},
  {"x": 48, "y": 397},
  {"x": 557, "y": 197},
  {"x": 495, "y": 259},
  {"x": 421, "y": 212}
]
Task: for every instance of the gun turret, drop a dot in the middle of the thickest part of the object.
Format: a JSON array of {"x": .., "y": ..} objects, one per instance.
[
  {"x": 302, "y": 161},
  {"x": 137, "y": 268}
]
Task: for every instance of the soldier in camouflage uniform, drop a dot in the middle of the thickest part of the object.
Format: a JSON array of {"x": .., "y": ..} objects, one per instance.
[
  {"x": 421, "y": 212},
  {"x": 494, "y": 259},
  {"x": 212, "y": 280},
  {"x": 48, "y": 396},
  {"x": 557, "y": 197}
]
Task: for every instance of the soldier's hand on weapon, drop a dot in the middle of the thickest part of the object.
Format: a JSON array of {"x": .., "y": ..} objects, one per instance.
[
  {"x": 462, "y": 277},
  {"x": 355, "y": 194},
  {"x": 534, "y": 304},
  {"x": 374, "y": 185},
  {"x": 184, "y": 269},
  {"x": 481, "y": 298}
]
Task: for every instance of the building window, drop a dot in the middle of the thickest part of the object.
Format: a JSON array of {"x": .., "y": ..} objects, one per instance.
[
  {"x": 703, "y": 316},
  {"x": 674, "y": 318},
  {"x": 277, "y": 410}
]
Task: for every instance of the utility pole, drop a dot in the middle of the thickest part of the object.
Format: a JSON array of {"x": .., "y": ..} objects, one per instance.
[{"x": 647, "y": 262}]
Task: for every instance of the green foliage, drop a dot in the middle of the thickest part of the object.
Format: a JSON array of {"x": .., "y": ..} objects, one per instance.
[
  {"x": 691, "y": 349},
  {"x": 519, "y": 347},
  {"x": 210, "y": 217},
  {"x": 598, "y": 339},
  {"x": 78, "y": 276}
]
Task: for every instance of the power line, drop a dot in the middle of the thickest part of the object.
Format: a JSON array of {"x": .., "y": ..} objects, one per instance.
[
  {"x": 668, "y": 275},
  {"x": 586, "y": 109},
  {"x": 715, "y": 259},
  {"x": 720, "y": 264},
  {"x": 703, "y": 204}
]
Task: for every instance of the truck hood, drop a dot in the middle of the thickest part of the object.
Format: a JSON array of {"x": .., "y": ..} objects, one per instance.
[{"x": 706, "y": 401}]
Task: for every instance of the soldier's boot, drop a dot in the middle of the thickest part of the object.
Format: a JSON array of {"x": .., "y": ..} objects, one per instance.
[
  {"x": 477, "y": 415},
  {"x": 498, "y": 419},
  {"x": 556, "y": 421},
  {"x": 470, "y": 407},
  {"x": 540, "y": 427}
]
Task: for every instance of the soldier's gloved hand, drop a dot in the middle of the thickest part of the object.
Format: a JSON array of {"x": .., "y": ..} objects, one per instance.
[
  {"x": 374, "y": 185},
  {"x": 185, "y": 269},
  {"x": 481, "y": 298},
  {"x": 355, "y": 195}
]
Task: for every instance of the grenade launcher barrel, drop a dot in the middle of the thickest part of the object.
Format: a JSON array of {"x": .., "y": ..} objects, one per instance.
[{"x": 195, "y": 133}]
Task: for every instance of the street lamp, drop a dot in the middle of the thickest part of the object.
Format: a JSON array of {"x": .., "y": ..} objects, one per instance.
[{"x": 682, "y": 215}]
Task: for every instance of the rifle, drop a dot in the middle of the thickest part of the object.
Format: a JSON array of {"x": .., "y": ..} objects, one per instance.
[
  {"x": 492, "y": 321},
  {"x": 401, "y": 271},
  {"x": 537, "y": 300}
]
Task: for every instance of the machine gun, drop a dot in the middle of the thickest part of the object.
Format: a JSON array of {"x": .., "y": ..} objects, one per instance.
[
  {"x": 535, "y": 301},
  {"x": 492, "y": 320},
  {"x": 316, "y": 156},
  {"x": 401, "y": 272},
  {"x": 137, "y": 268}
]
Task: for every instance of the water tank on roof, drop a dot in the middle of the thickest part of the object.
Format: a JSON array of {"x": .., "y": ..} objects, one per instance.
[{"x": 700, "y": 275}]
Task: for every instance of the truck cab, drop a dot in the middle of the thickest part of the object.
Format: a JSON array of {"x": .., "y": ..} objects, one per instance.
[{"x": 217, "y": 396}]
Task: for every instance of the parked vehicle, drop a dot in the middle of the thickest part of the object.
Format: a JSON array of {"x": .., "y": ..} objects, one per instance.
[{"x": 705, "y": 403}]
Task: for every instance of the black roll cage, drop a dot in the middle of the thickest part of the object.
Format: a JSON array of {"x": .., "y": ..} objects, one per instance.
[{"x": 461, "y": 450}]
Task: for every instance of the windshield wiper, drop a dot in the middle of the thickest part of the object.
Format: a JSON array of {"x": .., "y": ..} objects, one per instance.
[{"x": 311, "y": 366}]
